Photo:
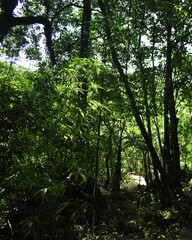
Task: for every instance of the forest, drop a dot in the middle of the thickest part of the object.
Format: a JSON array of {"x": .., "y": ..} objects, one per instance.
[{"x": 106, "y": 98}]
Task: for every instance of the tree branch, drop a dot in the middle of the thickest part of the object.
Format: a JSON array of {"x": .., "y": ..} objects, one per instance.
[
  {"x": 15, "y": 21},
  {"x": 63, "y": 8},
  {"x": 30, "y": 20}
]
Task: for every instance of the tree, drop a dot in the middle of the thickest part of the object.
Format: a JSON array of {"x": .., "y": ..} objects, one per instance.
[
  {"x": 140, "y": 43},
  {"x": 169, "y": 107},
  {"x": 84, "y": 47},
  {"x": 45, "y": 13},
  {"x": 104, "y": 103}
]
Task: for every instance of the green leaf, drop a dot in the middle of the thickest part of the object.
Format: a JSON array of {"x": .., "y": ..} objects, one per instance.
[
  {"x": 11, "y": 105},
  {"x": 63, "y": 206},
  {"x": 73, "y": 215}
]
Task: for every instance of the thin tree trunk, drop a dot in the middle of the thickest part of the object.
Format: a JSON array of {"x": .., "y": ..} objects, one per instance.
[
  {"x": 145, "y": 167},
  {"x": 107, "y": 159},
  {"x": 117, "y": 174},
  {"x": 149, "y": 167},
  {"x": 148, "y": 114},
  {"x": 84, "y": 48},
  {"x": 154, "y": 101},
  {"x": 95, "y": 197},
  {"x": 96, "y": 172},
  {"x": 174, "y": 161},
  {"x": 144, "y": 84}
]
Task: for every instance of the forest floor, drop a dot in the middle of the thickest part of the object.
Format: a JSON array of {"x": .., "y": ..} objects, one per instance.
[{"x": 135, "y": 214}]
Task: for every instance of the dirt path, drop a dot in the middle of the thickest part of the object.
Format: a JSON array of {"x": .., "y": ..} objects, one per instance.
[{"x": 133, "y": 181}]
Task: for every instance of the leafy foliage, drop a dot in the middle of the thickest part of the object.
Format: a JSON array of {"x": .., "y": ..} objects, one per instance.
[{"x": 64, "y": 165}]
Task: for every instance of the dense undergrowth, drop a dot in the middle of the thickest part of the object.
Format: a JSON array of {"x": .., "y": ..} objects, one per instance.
[
  {"x": 111, "y": 95},
  {"x": 137, "y": 214},
  {"x": 65, "y": 211},
  {"x": 48, "y": 151}
]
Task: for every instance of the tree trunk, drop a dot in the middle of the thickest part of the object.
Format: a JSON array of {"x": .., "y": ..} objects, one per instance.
[
  {"x": 145, "y": 167},
  {"x": 145, "y": 92},
  {"x": 173, "y": 159},
  {"x": 117, "y": 173},
  {"x": 84, "y": 48},
  {"x": 6, "y": 16},
  {"x": 107, "y": 159},
  {"x": 149, "y": 167},
  {"x": 85, "y": 29},
  {"x": 154, "y": 97},
  {"x": 95, "y": 195}
]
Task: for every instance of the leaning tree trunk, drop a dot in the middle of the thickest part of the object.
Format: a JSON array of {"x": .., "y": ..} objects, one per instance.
[
  {"x": 164, "y": 186},
  {"x": 130, "y": 93}
]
